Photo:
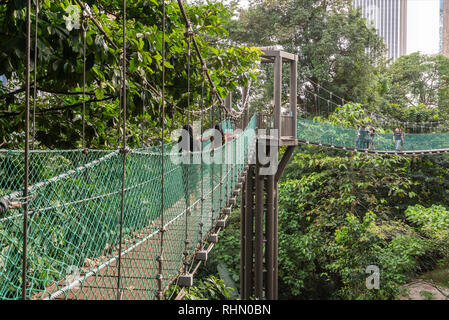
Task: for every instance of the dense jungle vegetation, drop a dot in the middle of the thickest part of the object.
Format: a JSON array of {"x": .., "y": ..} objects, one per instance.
[
  {"x": 59, "y": 70},
  {"x": 338, "y": 212},
  {"x": 341, "y": 212}
]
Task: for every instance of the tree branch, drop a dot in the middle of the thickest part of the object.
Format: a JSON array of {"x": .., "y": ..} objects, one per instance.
[{"x": 13, "y": 114}]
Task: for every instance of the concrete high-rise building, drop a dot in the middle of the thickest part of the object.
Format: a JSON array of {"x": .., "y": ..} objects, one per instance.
[
  {"x": 444, "y": 21},
  {"x": 389, "y": 18}
]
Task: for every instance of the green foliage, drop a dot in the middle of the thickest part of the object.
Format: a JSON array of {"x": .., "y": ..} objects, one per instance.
[
  {"x": 432, "y": 222},
  {"x": 418, "y": 80},
  {"x": 323, "y": 252},
  {"x": 60, "y": 69},
  {"x": 349, "y": 115},
  {"x": 212, "y": 288},
  {"x": 226, "y": 251},
  {"x": 359, "y": 244},
  {"x": 331, "y": 39},
  {"x": 419, "y": 113}
]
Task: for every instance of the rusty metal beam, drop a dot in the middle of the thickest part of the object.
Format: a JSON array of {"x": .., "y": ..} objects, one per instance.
[
  {"x": 243, "y": 237},
  {"x": 249, "y": 229},
  {"x": 269, "y": 233},
  {"x": 284, "y": 161},
  {"x": 259, "y": 237},
  {"x": 277, "y": 94},
  {"x": 275, "y": 243}
]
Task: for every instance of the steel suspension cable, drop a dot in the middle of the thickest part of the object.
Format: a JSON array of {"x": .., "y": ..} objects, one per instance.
[
  {"x": 26, "y": 156},
  {"x": 142, "y": 124},
  {"x": 201, "y": 224},
  {"x": 188, "y": 166},
  {"x": 427, "y": 124},
  {"x": 202, "y": 61},
  {"x": 212, "y": 171},
  {"x": 84, "y": 26},
  {"x": 36, "y": 17},
  {"x": 162, "y": 103},
  {"x": 124, "y": 151},
  {"x": 223, "y": 150}
]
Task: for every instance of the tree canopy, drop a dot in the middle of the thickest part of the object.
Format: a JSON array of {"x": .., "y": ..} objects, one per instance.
[
  {"x": 337, "y": 48},
  {"x": 418, "y": 80},
  {"x": 60, "y": 68}
]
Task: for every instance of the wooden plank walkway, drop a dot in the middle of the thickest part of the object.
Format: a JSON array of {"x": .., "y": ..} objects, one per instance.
[{"x": 99, "y": 277}]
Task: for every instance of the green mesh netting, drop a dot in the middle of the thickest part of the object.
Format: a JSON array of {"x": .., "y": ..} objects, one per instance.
[
  {"x": 74, "y": 217},
  {"x": 327, "y": 133}
]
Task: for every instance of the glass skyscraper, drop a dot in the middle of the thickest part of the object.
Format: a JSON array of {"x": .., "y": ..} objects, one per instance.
[
  {"x": 389, "y": 17},
  {"x": 444, "y": 27}
]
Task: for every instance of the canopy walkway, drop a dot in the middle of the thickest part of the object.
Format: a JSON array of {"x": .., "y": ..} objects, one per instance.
[
  {"x": 74, "y": 199},
  {"x": 126, "y": 224},
  {"x": 329, "y": 135},
  {"x": 73, "y": 226}
]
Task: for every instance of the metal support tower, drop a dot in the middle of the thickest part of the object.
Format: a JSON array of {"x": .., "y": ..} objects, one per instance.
[{"x": 259, "y": 205}]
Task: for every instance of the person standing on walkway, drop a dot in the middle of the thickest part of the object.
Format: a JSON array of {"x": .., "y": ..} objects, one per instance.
[
  {"x": 398, "y": 139},
  {"x": 363, "y": 138},
  {"x": 357, "y": 141},
  {"x": 402, "y": 138},
  {"x": 372, "y": 134},
  {"x": 187, "y": 145}
]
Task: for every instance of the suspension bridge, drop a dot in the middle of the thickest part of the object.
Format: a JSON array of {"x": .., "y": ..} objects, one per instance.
[{"x": 128, "y": 223}]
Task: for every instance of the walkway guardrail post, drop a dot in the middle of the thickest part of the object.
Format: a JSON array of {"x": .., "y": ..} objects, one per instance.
[
  {"x": 249, "y": 229},
  {"x": 26, "y": 155},
  {"x": 259, "y": 239},
  {"x": 294, "y": 95},
  {"x": 269, "y": 231},
  {"x": 277, "y": 93}
]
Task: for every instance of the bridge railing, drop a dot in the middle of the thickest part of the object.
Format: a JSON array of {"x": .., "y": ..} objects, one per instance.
[
  {"x": 74, "y": 218},
  {"x": 319, "y": 132}
]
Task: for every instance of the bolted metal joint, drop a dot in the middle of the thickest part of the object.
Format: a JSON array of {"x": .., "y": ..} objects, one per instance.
[
  {"x": 125, "y": 150},
  {"x": 221, "y": 223},
  {"x": 185, "y": 280},
  {"x": 201, "y": 255},
  {"x": 189, "y": 32},
  {"x": 213, "y": 238},
  {"x": 160, "y": 295},
  {"x": 6, "y": 204}
]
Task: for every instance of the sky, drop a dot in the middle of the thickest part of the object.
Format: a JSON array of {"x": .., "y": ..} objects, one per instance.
[{"x": 423, "y": 26}]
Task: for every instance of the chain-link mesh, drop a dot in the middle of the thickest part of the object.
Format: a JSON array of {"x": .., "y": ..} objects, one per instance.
[
  {"x": 74, "y": 217},
  {"x": 334, "y": 135}
]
